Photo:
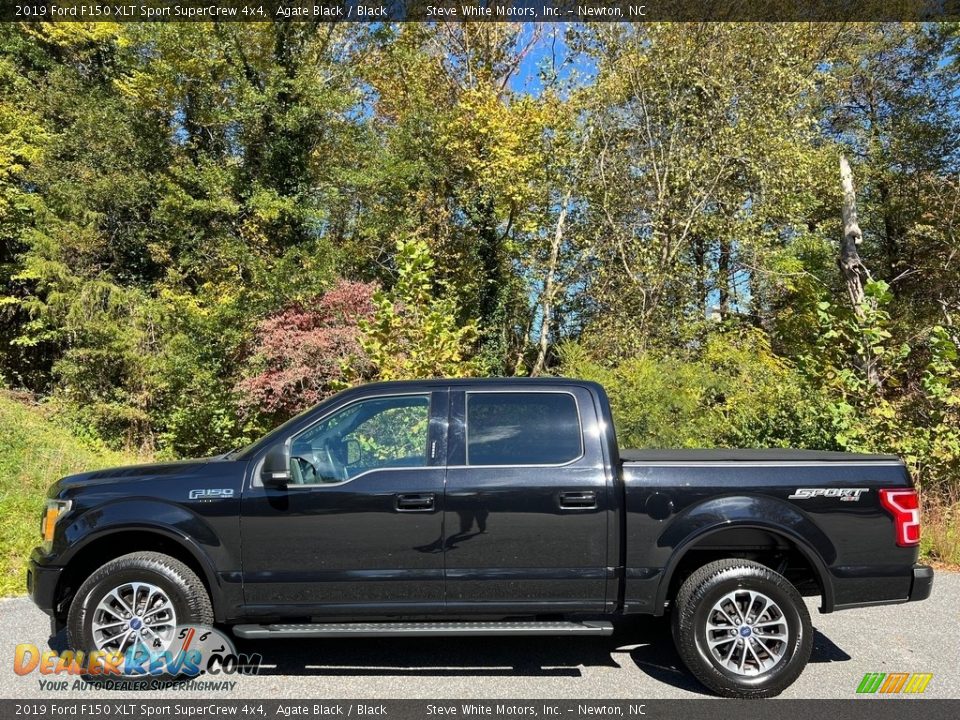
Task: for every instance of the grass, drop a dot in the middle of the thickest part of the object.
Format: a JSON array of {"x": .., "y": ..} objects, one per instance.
[
  {"x": 940, "y": 532},
  {"x": 34, "y": 452}
]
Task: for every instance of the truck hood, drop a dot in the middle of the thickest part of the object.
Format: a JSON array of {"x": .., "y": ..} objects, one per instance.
[{"x": 129, "y": 473}]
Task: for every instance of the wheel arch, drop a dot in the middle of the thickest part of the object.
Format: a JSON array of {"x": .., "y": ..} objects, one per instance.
[
  {"x": 715, "y": 539},
  {"x": 112, "y": 543}
]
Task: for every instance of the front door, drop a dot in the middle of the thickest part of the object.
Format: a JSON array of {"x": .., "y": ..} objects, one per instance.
[
  {"x": 359, "y": 528},
  {"x": 526, "y": 508}
]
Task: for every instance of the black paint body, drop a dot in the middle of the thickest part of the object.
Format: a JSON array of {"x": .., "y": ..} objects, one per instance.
[{"x": 599, "y": 536}]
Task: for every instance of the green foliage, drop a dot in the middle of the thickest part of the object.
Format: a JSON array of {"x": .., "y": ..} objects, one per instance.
[
  {"x": 660, "y": 211},
  {"x": 940, "y": 540},
  {"x": 462, "y": 162},
  {"x": 414, "y": 332},
  {"x": 35, "y": 450},
  {"x": 734, "y": 393},
  {"x": 397, "y": 432},
  {"x": 709, "y": 163},
  {"x": 918, "y": 420},
  {"x": 410, "y": 427},
  {"x": 166, "y": 229}
]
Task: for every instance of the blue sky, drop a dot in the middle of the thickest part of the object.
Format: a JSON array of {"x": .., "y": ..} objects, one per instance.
[{"x": 552, "y": 45}]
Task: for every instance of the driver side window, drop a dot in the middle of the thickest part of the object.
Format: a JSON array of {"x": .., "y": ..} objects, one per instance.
[{"x": 386, "y": 432}]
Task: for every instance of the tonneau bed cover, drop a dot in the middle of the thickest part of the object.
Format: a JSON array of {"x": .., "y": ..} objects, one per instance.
[{"x": 785, "y": 455}]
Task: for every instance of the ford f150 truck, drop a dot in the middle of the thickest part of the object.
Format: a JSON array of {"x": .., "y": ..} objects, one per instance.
[{"x": 482, "y": 507}]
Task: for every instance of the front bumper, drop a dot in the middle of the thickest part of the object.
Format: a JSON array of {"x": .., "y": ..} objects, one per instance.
[
  {"x": 42, "y": 581},
  {"x": 922, "y": 583}
]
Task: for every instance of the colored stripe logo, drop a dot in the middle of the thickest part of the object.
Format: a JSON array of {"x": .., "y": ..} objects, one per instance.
[{"x": 894, "y": 683}]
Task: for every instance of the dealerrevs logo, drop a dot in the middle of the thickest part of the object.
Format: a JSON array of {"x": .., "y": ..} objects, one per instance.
[
  {"x": 842, "y": 494},
  {"x": 195, "y": 650}
]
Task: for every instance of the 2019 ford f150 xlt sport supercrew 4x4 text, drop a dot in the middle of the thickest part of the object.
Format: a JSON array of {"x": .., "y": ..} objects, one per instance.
[{"x": 472, "y": 507}]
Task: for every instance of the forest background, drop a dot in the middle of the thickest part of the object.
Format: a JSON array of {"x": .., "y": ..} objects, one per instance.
[{"x": 206, "y": 228}]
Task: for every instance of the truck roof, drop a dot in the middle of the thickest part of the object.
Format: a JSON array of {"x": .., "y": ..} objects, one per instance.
[{"x": 519, "y": 381}]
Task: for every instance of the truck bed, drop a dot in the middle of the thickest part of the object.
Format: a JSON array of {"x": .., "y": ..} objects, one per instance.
[{"x": 785, "y": 455}]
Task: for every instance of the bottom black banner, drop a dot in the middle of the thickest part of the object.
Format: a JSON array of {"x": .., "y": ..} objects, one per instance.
[{"x": 708, "y": 709}]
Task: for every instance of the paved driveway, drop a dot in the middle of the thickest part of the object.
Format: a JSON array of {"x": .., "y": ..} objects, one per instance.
[{"x": 638, "y": 661}]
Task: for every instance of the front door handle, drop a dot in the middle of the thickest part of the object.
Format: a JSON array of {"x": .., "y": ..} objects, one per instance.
[
  {"x": 578, "y": 500},
  {"x": 415, "y": 502}
]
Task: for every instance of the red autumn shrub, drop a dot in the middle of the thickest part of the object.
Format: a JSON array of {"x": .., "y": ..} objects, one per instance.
[{"x": 299, "y": 353}]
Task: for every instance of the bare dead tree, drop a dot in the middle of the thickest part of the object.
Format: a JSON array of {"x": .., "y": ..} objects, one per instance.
[{"x": 854, "y": 272}]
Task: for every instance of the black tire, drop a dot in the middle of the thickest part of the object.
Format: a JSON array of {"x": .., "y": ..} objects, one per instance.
[
  {"x": 181, "y": 585},
  {"x": 694, "y": 605}
]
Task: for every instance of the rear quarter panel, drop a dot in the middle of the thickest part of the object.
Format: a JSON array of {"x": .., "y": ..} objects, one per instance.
[{"x": 672, "y": 506}]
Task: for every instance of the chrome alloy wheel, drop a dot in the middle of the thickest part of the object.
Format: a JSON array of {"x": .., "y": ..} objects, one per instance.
[
  {"x": 134, "y": 614},
  {"x": 747, "y": 632}
]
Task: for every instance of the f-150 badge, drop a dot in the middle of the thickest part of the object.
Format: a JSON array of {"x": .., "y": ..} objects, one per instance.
[
  {"x": 844, "y": 494},
  {"x": 211, "y": 494}
]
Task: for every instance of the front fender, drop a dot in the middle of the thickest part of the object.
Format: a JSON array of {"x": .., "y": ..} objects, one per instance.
[
  {"x": 172, "y": 521},
  {"x": 761, "y": 512}
]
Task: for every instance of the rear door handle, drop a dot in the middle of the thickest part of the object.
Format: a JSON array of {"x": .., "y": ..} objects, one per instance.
[
  {"x": 415, "y": 502},
  {"x": 578, "y": 500}
]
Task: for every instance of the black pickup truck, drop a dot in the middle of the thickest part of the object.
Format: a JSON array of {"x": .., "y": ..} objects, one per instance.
[{"x": 482, "y": 507}]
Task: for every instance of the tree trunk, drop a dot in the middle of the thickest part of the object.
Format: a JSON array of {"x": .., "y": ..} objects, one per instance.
[
  {"x": 853, "y": 269},
  {"x": 855, "y": 273},
  {"x": 891, "y": 242},
  {"x": 549, "y": 288},
  {"x": 700, "y": 260},
  {"x": 723, "y": 279}
]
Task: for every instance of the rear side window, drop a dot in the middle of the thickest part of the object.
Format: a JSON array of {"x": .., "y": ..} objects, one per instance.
[{"x": 532, "y": 428}]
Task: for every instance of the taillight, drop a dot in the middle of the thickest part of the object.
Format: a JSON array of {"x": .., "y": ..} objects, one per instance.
[{"x": 904, "y": 505}]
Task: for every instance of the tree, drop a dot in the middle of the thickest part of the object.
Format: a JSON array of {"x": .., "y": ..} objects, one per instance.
[
  {"x": 704, "y": 169},
  {"x": 654, "y": 194},
  {"x": 414, "y": 333},
  {"x": 855, "y": 273},
  {"x": 299, "y": 353},
  {"x": 23, "y": 139},
  {"x": 462, "y": 167},
  {"x": 159, "y": 245}
]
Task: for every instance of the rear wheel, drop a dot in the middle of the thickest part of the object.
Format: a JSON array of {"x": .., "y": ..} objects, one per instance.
[
  {"x": 137, "y": 601},
  {"x": 742, "y": 629}
]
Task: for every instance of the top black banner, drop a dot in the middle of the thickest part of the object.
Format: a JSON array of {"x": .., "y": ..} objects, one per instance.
[{"x": 326, "y": 11}]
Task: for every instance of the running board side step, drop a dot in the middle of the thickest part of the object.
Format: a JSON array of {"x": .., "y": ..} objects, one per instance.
[{"x": 421, "y": 629}]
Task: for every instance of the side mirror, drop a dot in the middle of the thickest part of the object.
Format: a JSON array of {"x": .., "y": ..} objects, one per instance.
[{"x": 276, "y": 466}]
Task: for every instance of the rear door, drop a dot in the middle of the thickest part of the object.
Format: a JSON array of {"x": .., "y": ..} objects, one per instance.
[{"x": 525, "y": 519}]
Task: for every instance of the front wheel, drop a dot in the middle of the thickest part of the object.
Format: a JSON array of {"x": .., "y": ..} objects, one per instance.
[
  {"x": 136, "y": 602},
  {"x": 742, "y": 629}
]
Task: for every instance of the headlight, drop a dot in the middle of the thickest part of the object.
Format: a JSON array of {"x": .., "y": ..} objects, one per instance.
[{"x": 54, "y": 509}]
